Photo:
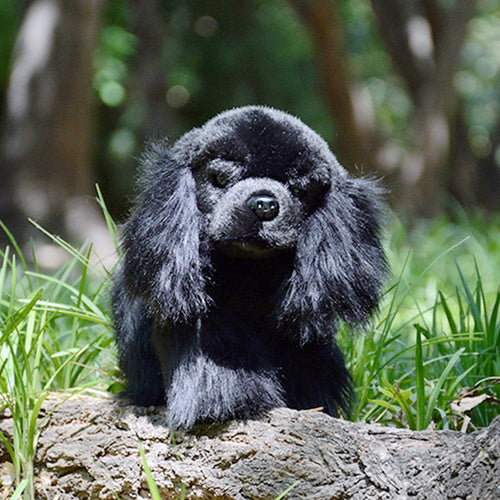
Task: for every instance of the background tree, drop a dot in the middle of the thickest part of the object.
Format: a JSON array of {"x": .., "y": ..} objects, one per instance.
[
  {"x": 424, "y": 41},
  {"x": 405, "y": 89}
]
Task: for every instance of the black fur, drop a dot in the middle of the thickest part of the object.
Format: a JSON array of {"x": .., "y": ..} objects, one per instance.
[{"x": 248, "y": 243}]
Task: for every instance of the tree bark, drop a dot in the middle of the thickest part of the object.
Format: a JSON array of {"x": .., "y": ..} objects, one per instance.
[{"x": 89, "y": 449}]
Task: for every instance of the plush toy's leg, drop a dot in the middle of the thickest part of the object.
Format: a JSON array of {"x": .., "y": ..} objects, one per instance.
[
  {"x": 215, "y": 376},
  {"x": 204, "y": 391},
  {"x": 316, "y": 376},
  {"x": 138, "y": 359}
]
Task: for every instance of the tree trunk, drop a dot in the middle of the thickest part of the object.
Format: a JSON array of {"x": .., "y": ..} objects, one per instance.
[
  {"x": 149, "y": 87},
  {"x": 353, "y": 129},
  {"x": 425, "y": 43},
  {"x": 89, "y": 449},
  {"x": 48, "y": 116}
]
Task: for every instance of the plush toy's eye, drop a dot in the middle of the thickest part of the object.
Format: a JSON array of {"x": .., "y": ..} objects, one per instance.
[
  {"x": 219, "y": 179},
  {"x": 296, "y": 191}
]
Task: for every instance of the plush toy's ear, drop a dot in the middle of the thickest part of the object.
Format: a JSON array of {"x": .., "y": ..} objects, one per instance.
[
  {"x": 163, "y": 260},
  {"x": 138, "y": 359},
  {"x": 340, "y": 264}
]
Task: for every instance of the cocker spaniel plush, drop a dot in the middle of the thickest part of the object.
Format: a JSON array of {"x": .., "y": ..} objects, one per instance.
[{"x": 247, "y": 245}]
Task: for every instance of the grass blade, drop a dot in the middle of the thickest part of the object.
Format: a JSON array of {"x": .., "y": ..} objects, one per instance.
[
  {"x": 419, "y": 378},
  {"x": 153, "y": 488}
]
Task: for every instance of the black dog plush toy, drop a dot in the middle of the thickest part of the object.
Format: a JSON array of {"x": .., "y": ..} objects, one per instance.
[{"x": 247, "y": 245}]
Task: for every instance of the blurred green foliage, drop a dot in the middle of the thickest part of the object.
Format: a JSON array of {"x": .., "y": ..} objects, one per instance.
[
  {"x": 223, "y": 54},
  {"x": 10, "y": 13},
  {"x": 478, "y": 82}
]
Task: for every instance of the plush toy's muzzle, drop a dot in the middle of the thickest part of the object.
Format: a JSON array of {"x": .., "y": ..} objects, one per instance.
[{"x": 256, "y": 216}]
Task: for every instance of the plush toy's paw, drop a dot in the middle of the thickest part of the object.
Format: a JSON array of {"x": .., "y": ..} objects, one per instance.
[{"x": 204, "y": 392}]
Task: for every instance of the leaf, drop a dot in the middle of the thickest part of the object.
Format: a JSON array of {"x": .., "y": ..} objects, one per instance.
[{"x": 467, "y": 404}]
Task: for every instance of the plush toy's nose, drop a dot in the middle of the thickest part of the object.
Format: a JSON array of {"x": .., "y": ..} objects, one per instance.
[{"x": 265, "y": 207}]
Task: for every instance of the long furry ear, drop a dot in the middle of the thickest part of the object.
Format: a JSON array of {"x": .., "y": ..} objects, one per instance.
[
  {"x": 138, "y": 360},
  {"x": 340, "y": 264},
  {"x": 163, "y": 260}
]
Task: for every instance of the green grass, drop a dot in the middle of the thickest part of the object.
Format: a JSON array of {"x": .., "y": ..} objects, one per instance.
[
  {"x": 55, "y": 335},
  {"x": 436, "y": 336}
]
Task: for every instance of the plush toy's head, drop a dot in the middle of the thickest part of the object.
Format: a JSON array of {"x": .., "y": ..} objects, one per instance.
[{"x": 259, "y": 173}]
